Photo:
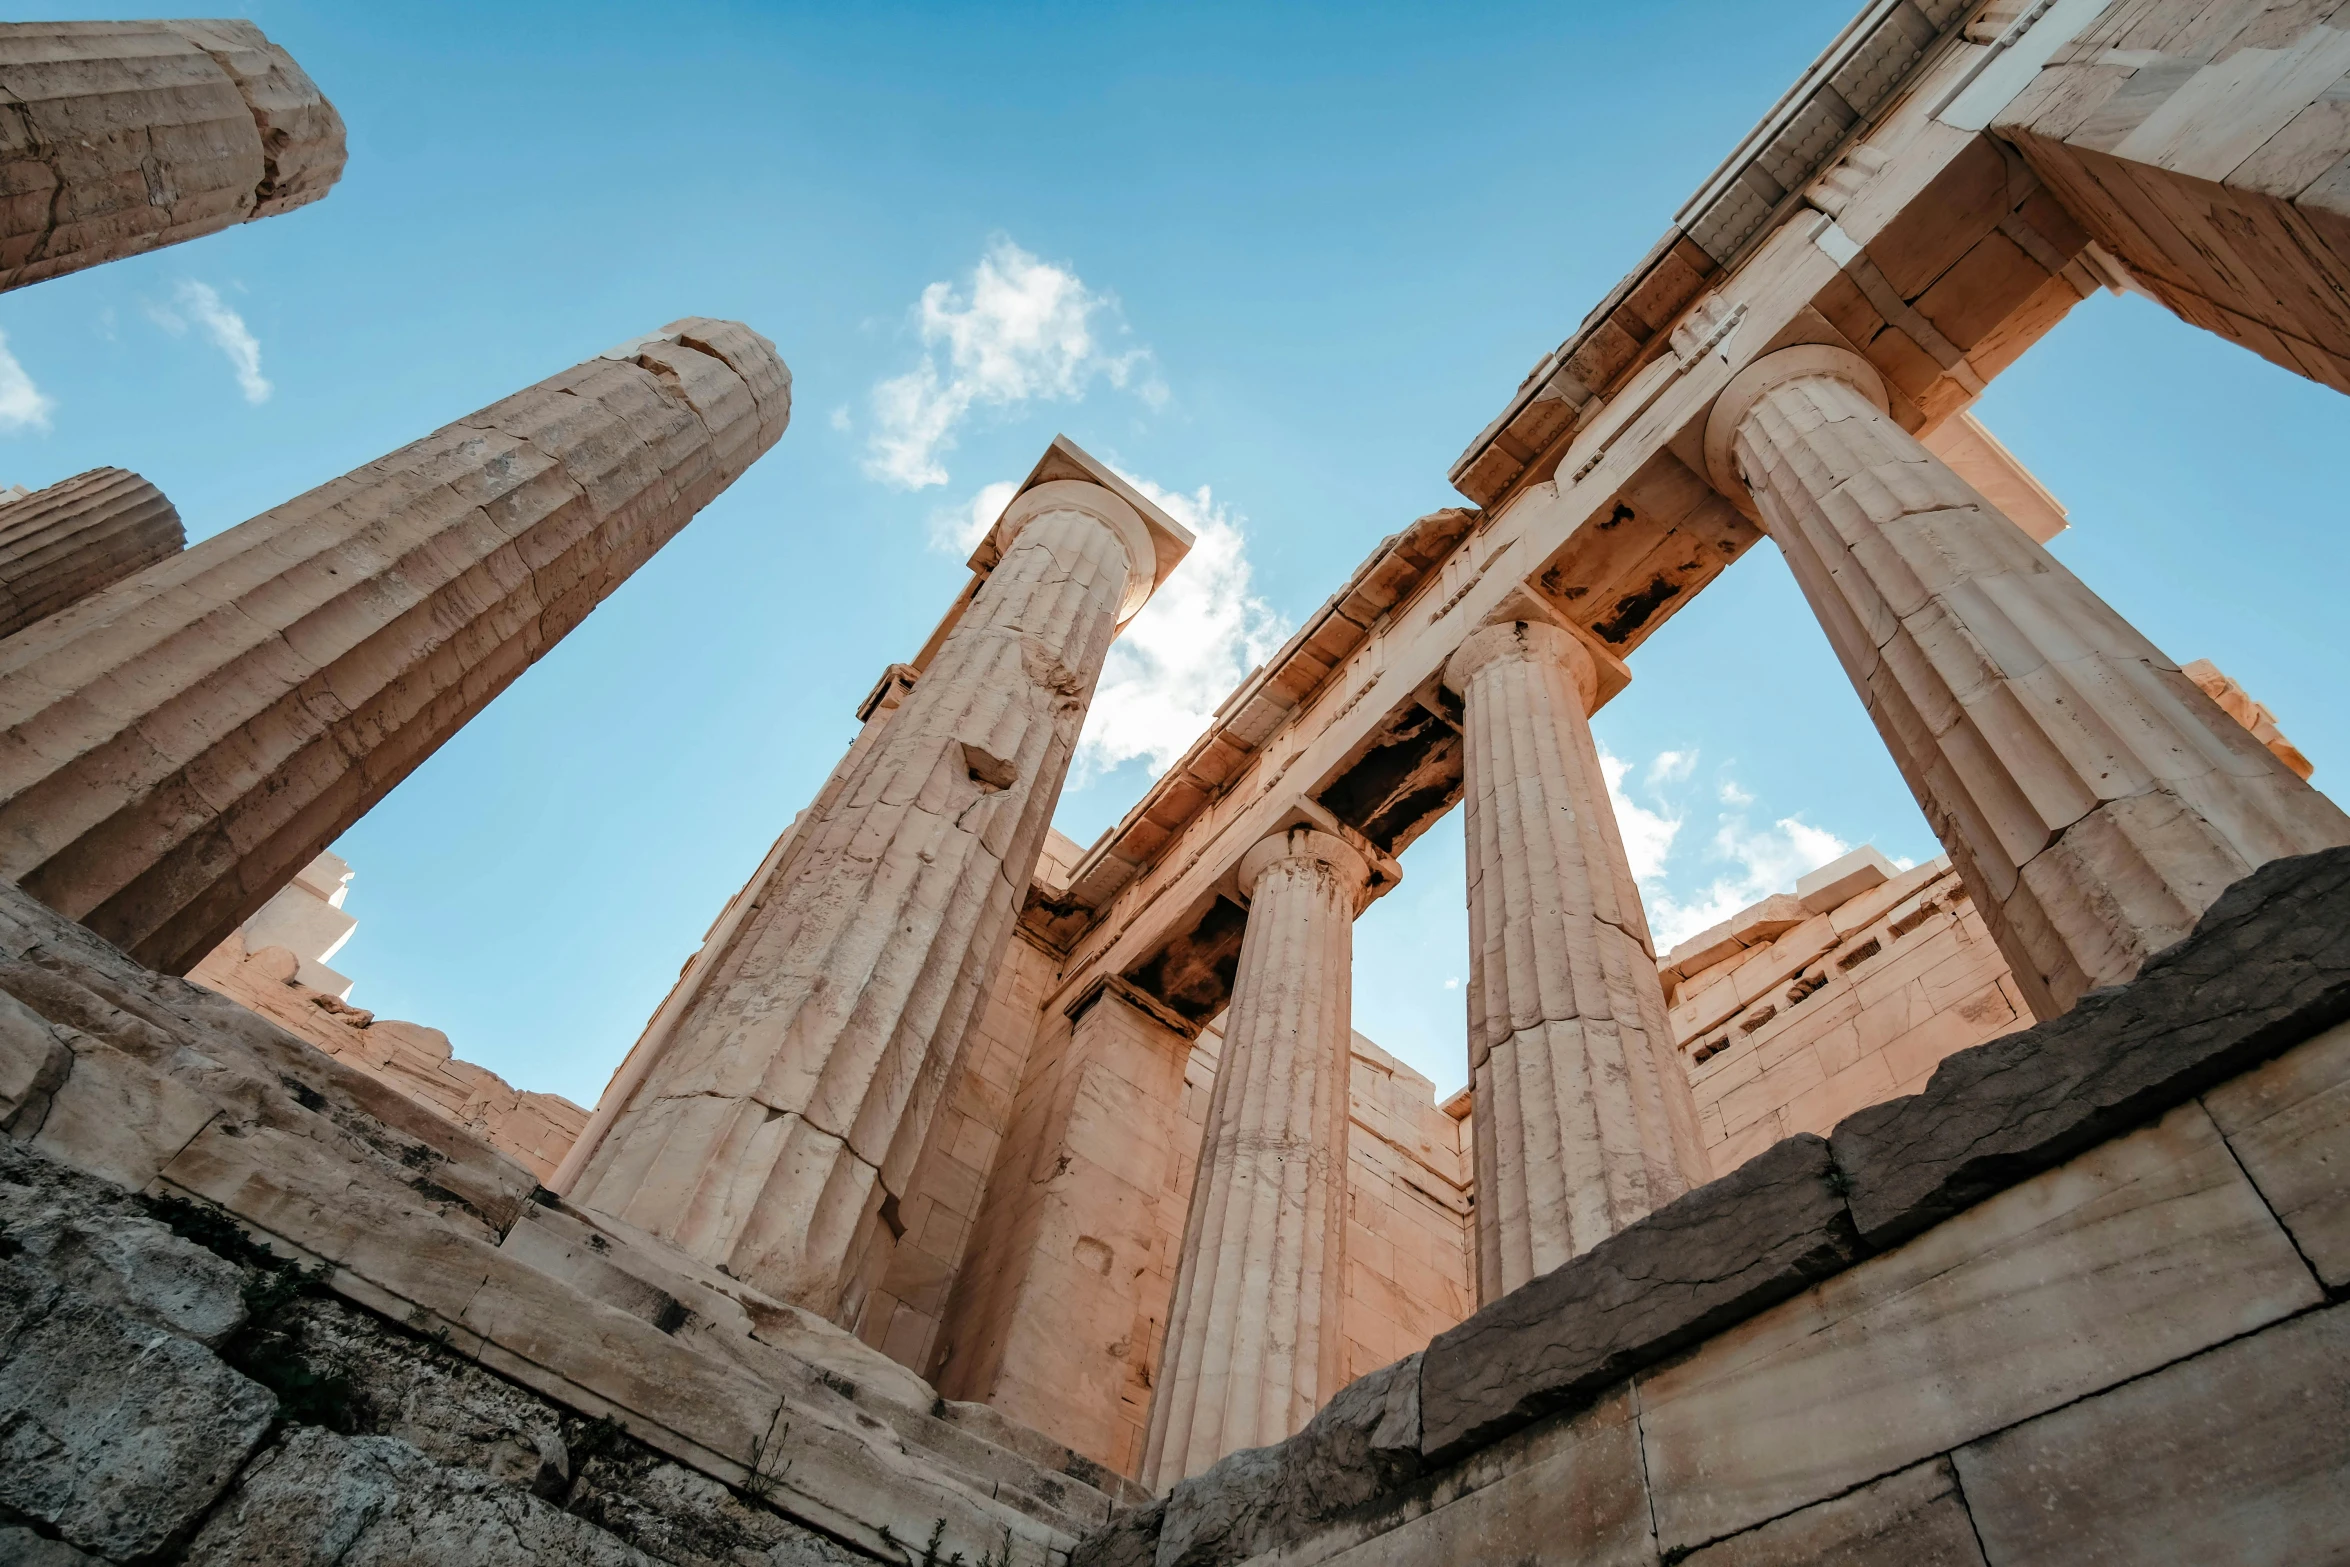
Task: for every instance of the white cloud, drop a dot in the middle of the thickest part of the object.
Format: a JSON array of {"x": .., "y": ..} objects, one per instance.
[
  {"x": 1024, "y": 329},
  {"x": 1197, "y": 638},
  {"x": 224, "y": 326},
  {"x": 1740, "y": 864},
  {"x": 1648, "y": 835},
  {"x": 1452, "y": 984},
  {"x": 840, "y": 418},
  {"x": 958, "y": 529},
  {"x": 23, "y": 406}
]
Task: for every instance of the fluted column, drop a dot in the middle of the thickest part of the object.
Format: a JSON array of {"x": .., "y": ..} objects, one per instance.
[
  {"x": 1584, "y": 1120},
  {"x": 62, "y": 544},
  {"x": 2095, "y": 801},
  {"x": 784, "y": 1115},
  {"x": 1254, "y": 1342},
  {"x": 121, "y": 137},
  {"x": 176, "y": 746}
]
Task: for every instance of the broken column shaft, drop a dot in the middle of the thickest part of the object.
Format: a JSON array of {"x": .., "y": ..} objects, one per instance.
[
  {"x": 175, "y": 747},
  {"x": 62, "y": 544},
  {"x": 120, "y": 137}
]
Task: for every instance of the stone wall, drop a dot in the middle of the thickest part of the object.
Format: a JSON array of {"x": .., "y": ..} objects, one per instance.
[
  {"x": 1813, "y": 1015},
  {"x": 535, "y": 1130},
  {"x": 169, "y": 1090},
  {"x": 1411, "y": 1262},
  {"x": 2080, "y": 1299},
  {"x": 172, "y": 1392}
]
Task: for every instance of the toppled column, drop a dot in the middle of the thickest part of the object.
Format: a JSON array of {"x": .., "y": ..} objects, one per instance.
[
  {"x": 777, "y": 1130},
  {"x": 1584, "y": 1119},
  {"x": 62, "y": 544},
  {"x": 121, "y": 137},
  {"x": 174, "y": 748},
  {"x": 2094, "y": 800},
  {"x": 1255, "y": 1341}
]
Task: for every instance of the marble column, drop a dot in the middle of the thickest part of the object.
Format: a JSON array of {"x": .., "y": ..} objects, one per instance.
[
  {"x": 62, "y": 544},
  {"x": 122, "y": 137},
  {"x": 1254, "y": 1342},
  {"x": 2094, "y": 799},
  {"x": 1584, "y": 1120},
  {"x": 782, "y": 1119},
  {"x": 176, "y": 746}
]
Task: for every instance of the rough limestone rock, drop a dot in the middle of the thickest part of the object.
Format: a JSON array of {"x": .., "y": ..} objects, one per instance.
[
  {"x": 115, "y": 1432},
  {"x": 1758, "y": 1235},
  {"x": 133, "y": 1264},
  {"x": 2266, "y": 967},
  {"x": 23, "y": 1548},
  {"x": 1363, "y": 1443},
  {"x": 689, "y": 1519},
  {"x": 375, "y": 1501}
]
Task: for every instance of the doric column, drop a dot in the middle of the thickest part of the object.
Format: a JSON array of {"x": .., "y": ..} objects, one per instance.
[
  {"x": 1584, "y": 1120},
  {"x": 62, "y": 544},
  {"x": 2094, "y": 799},
  {"x": 783, "y": 1118},
  {"x": 875, "y": 712},
  {"x": 175, "y": 747},
  {"x": 125, "y": 136},
  {"x": 1254, "y": 1342}
]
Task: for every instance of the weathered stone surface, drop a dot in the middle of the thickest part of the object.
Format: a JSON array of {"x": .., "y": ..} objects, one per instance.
[
  {"x": 1725, "y": 1251},
  {"x": 61, "y": 544},
  {"x": 1362, "y": 1444},
  {"x": 1584, "y": 1119},
  {"x": 775, "y": 1129},
  {"x": 1913, "y": 1519},
  {"x": 1569, "y": 1490},
  {"x": 23, "y": 1548},
  {"x": 371, "y": 1501},
  {"x": 133, "y": 1264},
  {"x": 1130, "y": 1540},
  {"x": 130, "y": 135},
  {"x": 2267, "y": 967},
  {"x": 677, "y": 1515},
  {"x": 1254, "y": 1336},
  {"x": 2096, "y": 802},
  {"x": 117, "y": 1433},
  {"x": 34, "y": 1062},
  {"x": 2132, "y": 1255},
  {"x": 2237, "y": 1455},
  {"x": 179, "y": 745},
  {"x": 2289, "y": 1123}
]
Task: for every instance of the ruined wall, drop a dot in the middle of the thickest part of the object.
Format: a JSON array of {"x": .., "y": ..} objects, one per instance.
[
  {"x": 1825, "y": 1013},
  {"x": 2081, "y": 1300},
  {"x": 1411, "y": 1258}
]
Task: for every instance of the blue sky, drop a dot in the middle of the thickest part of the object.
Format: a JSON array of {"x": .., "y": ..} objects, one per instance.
[{"x": 1294, "y": 257}]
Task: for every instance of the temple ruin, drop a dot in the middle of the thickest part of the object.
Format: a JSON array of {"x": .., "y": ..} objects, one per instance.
[{"x": 977, "y": 1196}]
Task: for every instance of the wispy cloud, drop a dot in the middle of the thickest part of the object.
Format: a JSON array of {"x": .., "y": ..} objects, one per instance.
[
  {"x": 1021, "y": 329},
  {"x": 23, "y": 406},
  {"x": 958, "y": 529},
  {"x": 220, "y": 322},
  {"x": 1197, "y": 638},
  {"x": 1740, "y": 864}
]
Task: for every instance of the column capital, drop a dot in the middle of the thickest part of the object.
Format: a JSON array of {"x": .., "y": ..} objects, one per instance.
[
  {"x": 1307, "y": 843},
  {"x": 1091, "y": 500},
  {"x": 1805, "y": 361},
  {"x": 1526, "y": 640}
]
